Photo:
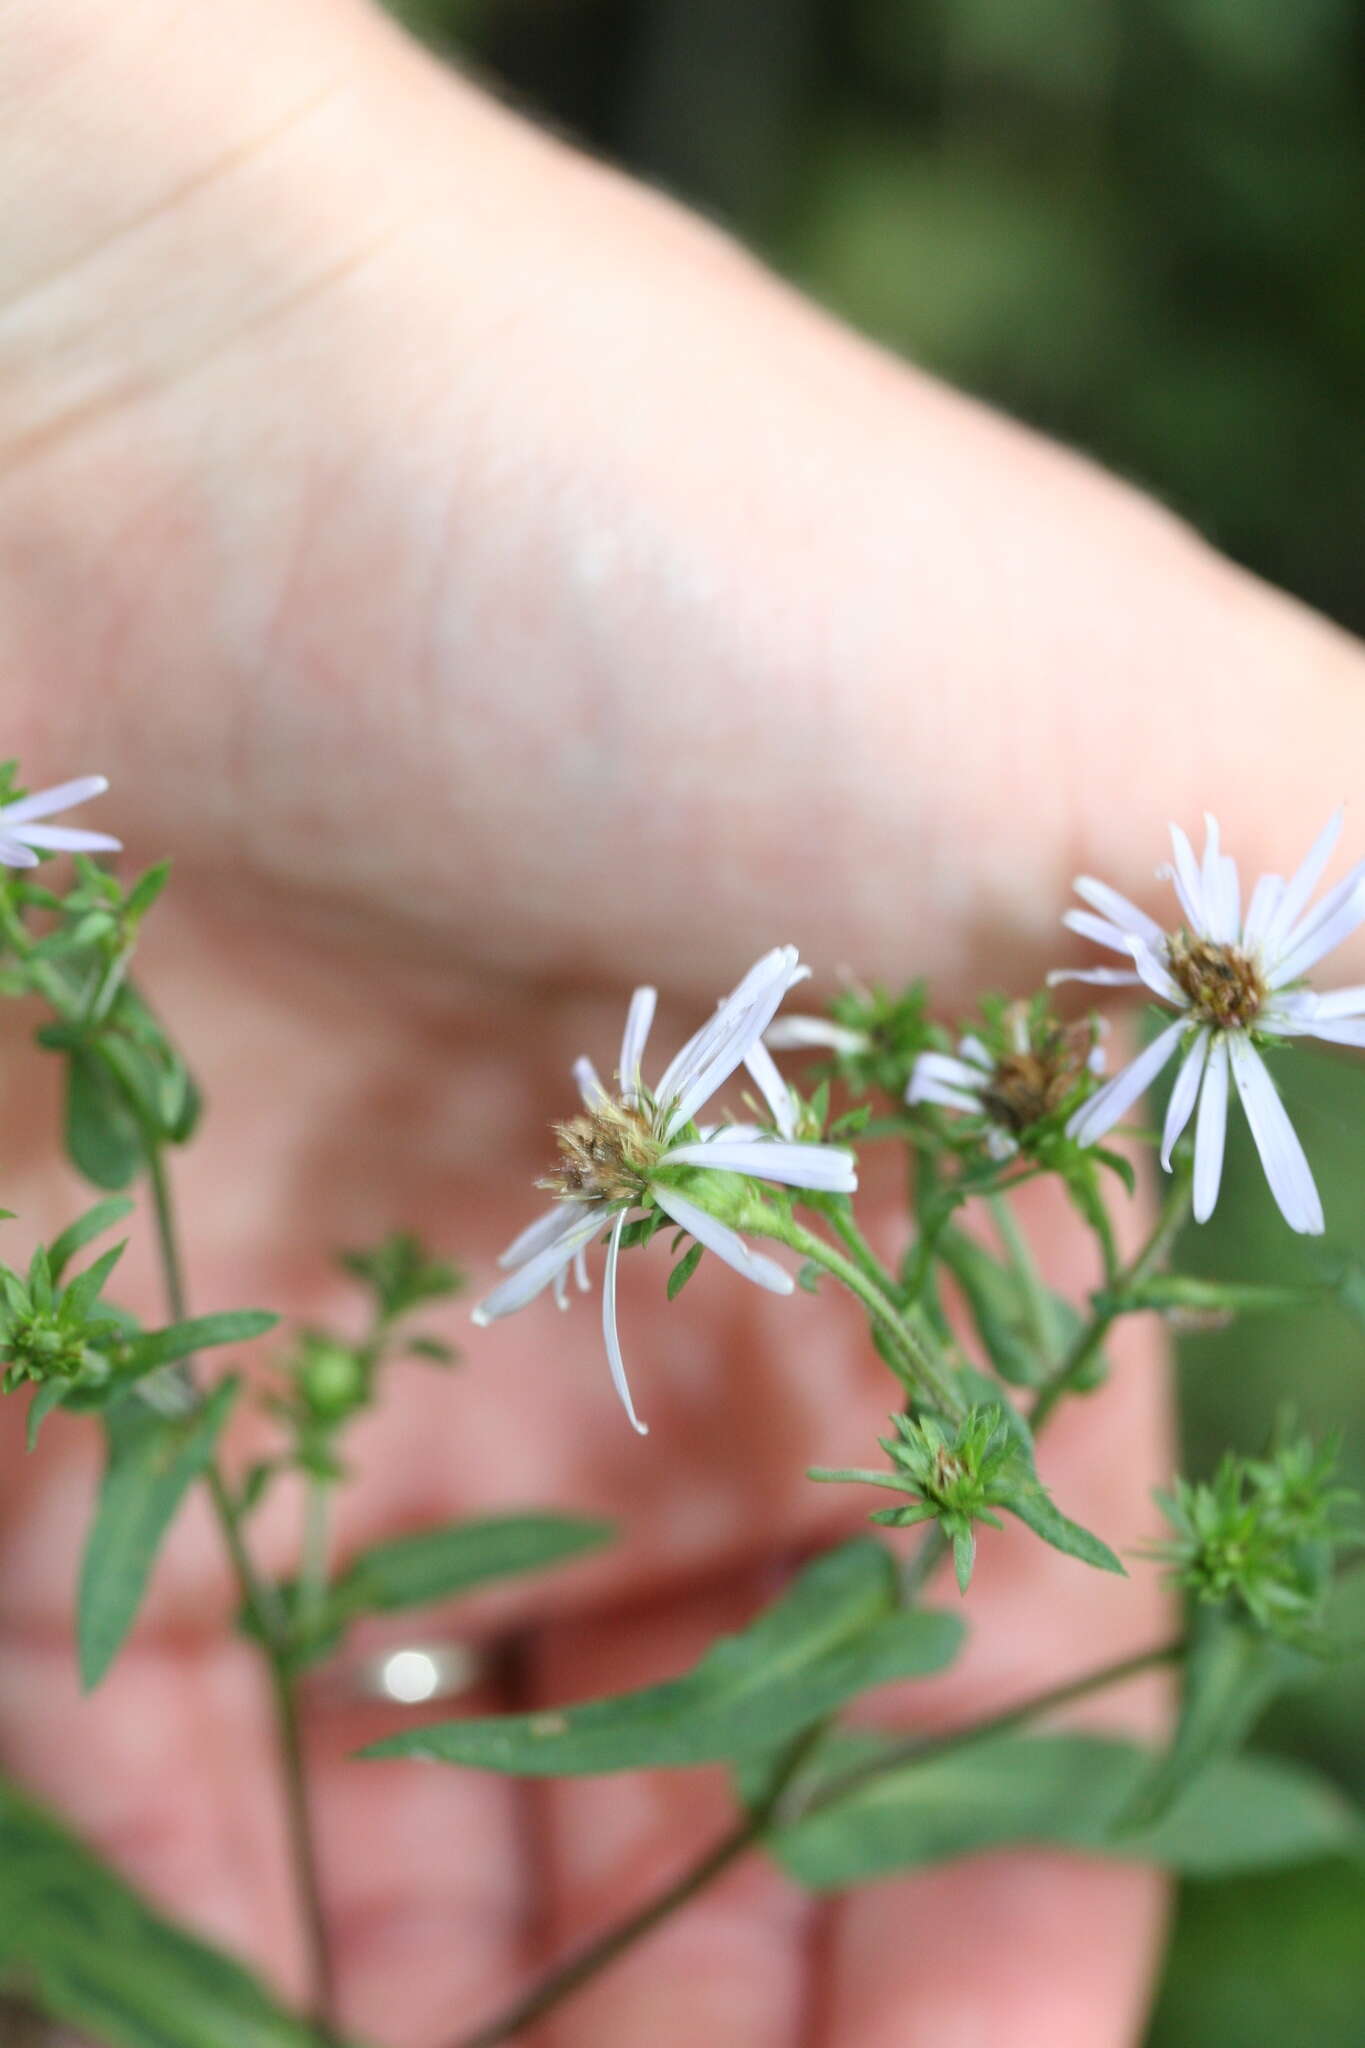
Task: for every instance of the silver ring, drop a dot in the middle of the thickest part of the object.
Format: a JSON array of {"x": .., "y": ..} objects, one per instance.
[{"x": 411, "y": 1674}]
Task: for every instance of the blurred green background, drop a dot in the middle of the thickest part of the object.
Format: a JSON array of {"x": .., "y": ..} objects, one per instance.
[{"x": 1139, "y": 224}]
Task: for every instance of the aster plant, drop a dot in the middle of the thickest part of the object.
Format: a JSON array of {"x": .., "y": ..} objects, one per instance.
[{"x": 719, "y": 1151}]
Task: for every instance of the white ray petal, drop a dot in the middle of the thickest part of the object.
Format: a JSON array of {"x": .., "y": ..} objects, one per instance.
[
  {"x": 589, "y": 1083},
  {"x": 1302, "y": 883},
  {"x": 1153, "y": 972},
  {"x": 1282, "y": 1156},
  {"x": 799, "y": 1034},
  {"x": 1316, "y": 916},
  {"x": 1118, "y": 909},
  {"x": 1211, "y": 1129},
  {"x": 745, "y": 1021},
  {"x": 546, "y": 1229},
  {"x": 609, "y": 1330},
  {"x": 1211, "y": 883},
  {"x": 536, "y": 1273},
  {"x": 634, "y": 1038},
  {"x": 1117, "y": 1097},
  {"x": 1343, "y": 1031},
  {"x": 827, "y": 1167},
  {"x": 1322, "y": 940},
  {"x": 1266, "y": 898},
  {"x": 1095, "y": 977},
  {"x": 65, "y": 839},
  {"x": 762, "y": 1068},
  {"x": 1341, "y": 1002},
  {"x": 14, "y": 854},
  {"x": 1183, "y": 1095},
  {"x": 944, "y": 1066},
  {"x": 924, "y": 1088},
  {"x": 727, "y": 1244},
  {"x": 580, "y": 1270},
  {"x": 976, "y": 1054},
  {"x": 1186, "y": 880},
  {"x": 63, "y": 796},
  {"x": 1089, "y": 926}
]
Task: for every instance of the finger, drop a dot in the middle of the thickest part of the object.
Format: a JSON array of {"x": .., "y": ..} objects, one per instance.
[
  {"x": 730, "y": 1965},
  {"x": 804, "y": 624}
]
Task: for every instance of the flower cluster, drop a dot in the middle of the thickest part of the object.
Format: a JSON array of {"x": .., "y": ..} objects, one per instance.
[
  {"x": 1017, "y": 1076},
  {"x": 1235, "y": 977},
  {"x": 638, "y": 1148}
]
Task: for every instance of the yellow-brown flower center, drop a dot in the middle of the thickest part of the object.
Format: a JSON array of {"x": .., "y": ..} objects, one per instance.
[
  {"x": 1027, "y": 1086},
  {"x": 605, "y": 1154},
  {"x": 1223, "y": 983}
]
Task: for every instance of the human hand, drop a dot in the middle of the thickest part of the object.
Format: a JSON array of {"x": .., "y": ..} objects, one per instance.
[{"x": 492, "y": 590}]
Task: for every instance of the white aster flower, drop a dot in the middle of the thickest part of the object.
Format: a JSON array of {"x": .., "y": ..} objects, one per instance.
[
  {"x": 817, "y": 1034},
  {"x": 1233, "y": 977},
  {"x": 638, "y": 1148},
  {"x": 20, "y": 834},
  {"x": 1014, "y": 1085}
]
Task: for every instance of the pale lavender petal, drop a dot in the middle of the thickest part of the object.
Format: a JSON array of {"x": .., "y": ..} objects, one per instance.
[
  {"x": 1210, "y": 880},
  {"x": 14, "y": 854},
  {"x": 634, "y": 1038},
  {"x": 1229, "y": 899},
  {"x": 1302, "y": 883},
  {"x": 1183, "y": 1095},
  {"x": 1322, "y": 940},
  {"x": 609, "y": 1329},
  {"x": 589, "y": 1083},
  {"x": 1185, "y": 877},
  {"x": 1118, "y": 909},
  {"x": 800, "y": 1034},
  {"x": 65, "y": 839},
  {"x": 1316, "y": 917},
  {"x": 928, "y": 1086},
  {"x": 826, "y": 1167},
  {"x": 63, "y": 796},
  {"x": 532, "y": 1277},
  {"x": 1089, "y": 926},
  {"x": 1210, "y": 1131},
  {"x": 1341, "y": 1002},
  {"x": 744, "y": 1023},
  {"x": 546, "y": 1229},
  {"x": 943, "y": 1066},
  {"x": 1153, "y": 972},
  {"x": 763, "y": 1072},
  {"x": 977, "y": 1053},
  {"x": 1117, "y": 1097},
  {"x": 727, "y": 1244},
  {"x": 1096, "y": 977},
  {"x": 1266, "y": 898},
  {"x": 1282, "y": 1156},
  {"x": 1345, "y": 1031}
]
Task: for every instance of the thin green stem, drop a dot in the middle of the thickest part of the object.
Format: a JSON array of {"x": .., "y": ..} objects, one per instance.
[
  {"x": 1115, "y": 1302},
  {"x": 262, "y": 1602},
  {"x": 314, "y": 1554}
]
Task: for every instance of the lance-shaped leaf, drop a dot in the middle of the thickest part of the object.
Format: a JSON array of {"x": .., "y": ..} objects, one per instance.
[
  {"x": 156, "y": 1348},
  {"x": 833, "y": 1634},
  {"x": 153, "y": 1460},
  {"x": 102, "y": 1134},
  {"x": 413, "y": 1571},
  {"x": 1183, "y": 1294},
  {"x": 84, "y": 1231},
  {"x": 1070, "y": 1791},
  {"x": 86, "y": 1951}
]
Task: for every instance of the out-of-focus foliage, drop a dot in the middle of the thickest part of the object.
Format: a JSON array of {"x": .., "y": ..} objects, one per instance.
[{"x": 1136, "y": 223}]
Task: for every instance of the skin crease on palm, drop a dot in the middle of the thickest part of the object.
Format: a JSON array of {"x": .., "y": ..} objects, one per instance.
[{"x": 492, "y": 589}]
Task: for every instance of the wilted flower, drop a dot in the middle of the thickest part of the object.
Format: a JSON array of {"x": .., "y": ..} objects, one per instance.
[
  {"x": 641, "y": 1149},
  {"x": 1028, "y": 1073},
  {"x": 1234, "y": 978},
  {"x": 20, "y": 834}
]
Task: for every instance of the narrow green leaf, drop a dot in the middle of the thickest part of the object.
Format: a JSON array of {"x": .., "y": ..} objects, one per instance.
[
  {"x": 84, "y": 1231},
  {"x": 1036, "y": 1510},
  {"x": 102, "y": 1135},
  {"x": 45, "y": 1399},
  {"x": 1183, "y": 1292},
  {"x": 1231, "y": 1673},
  {"x": 415, "y": 1570},
  {"x": 834, "y": 1634},
  {"x": 91, "y": 1955},
  {"x": 85, "y": 1290},
  {"x": 1243, "y": 1813},
  {"x": 683, "y": 1271},
  {"x": 200, "y": 1333},
  {"x": 153, "y": 1460}
]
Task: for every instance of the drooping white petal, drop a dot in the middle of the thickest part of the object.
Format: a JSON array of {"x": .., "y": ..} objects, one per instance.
[
  {"x": 1096, "y": 977},
  {"x": 1118, "y": 909},
  {"x": 727, "y": 1244},
  {"x": 634, "y": 1038},
  {"x": 64, "y": 838},
  {"x": 762, "y": 1069},
  {"x": 14, "y": 854},
  {"x": 580, "y": 1270},
  {"x": 1154, "y": 973},
  {"x": 1302, "y": 883},
  {"x": 1323, "y": 939},
  {"x": 63, "y": 796},
  {"x": 1341, "y": 1002},
  {"x": 800, "y": 1034},
  {"x": 1186, "y": 880},
  {"x": 827, "y": 1167},
  {"x": 537, "y": 1271},
  {"x": 1117, "y": 1097},
  {"x": 976, "y": 1053},
  {"x": 589, "y": 1083},
  {"x": 1342, "y": 1031},
  {"x": 609, "y": 1329},
  {"x": 744, "y": 1017},
  {"x": 1090, "y": 926},
  {"x": 1282, "y": 1156},
  {"x": 546, "y": 1229},
  {"x": 1266, "y": 898},
  {"x": 1210, "y": 1131},
  {"x": 1183, "y": 1095}
]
